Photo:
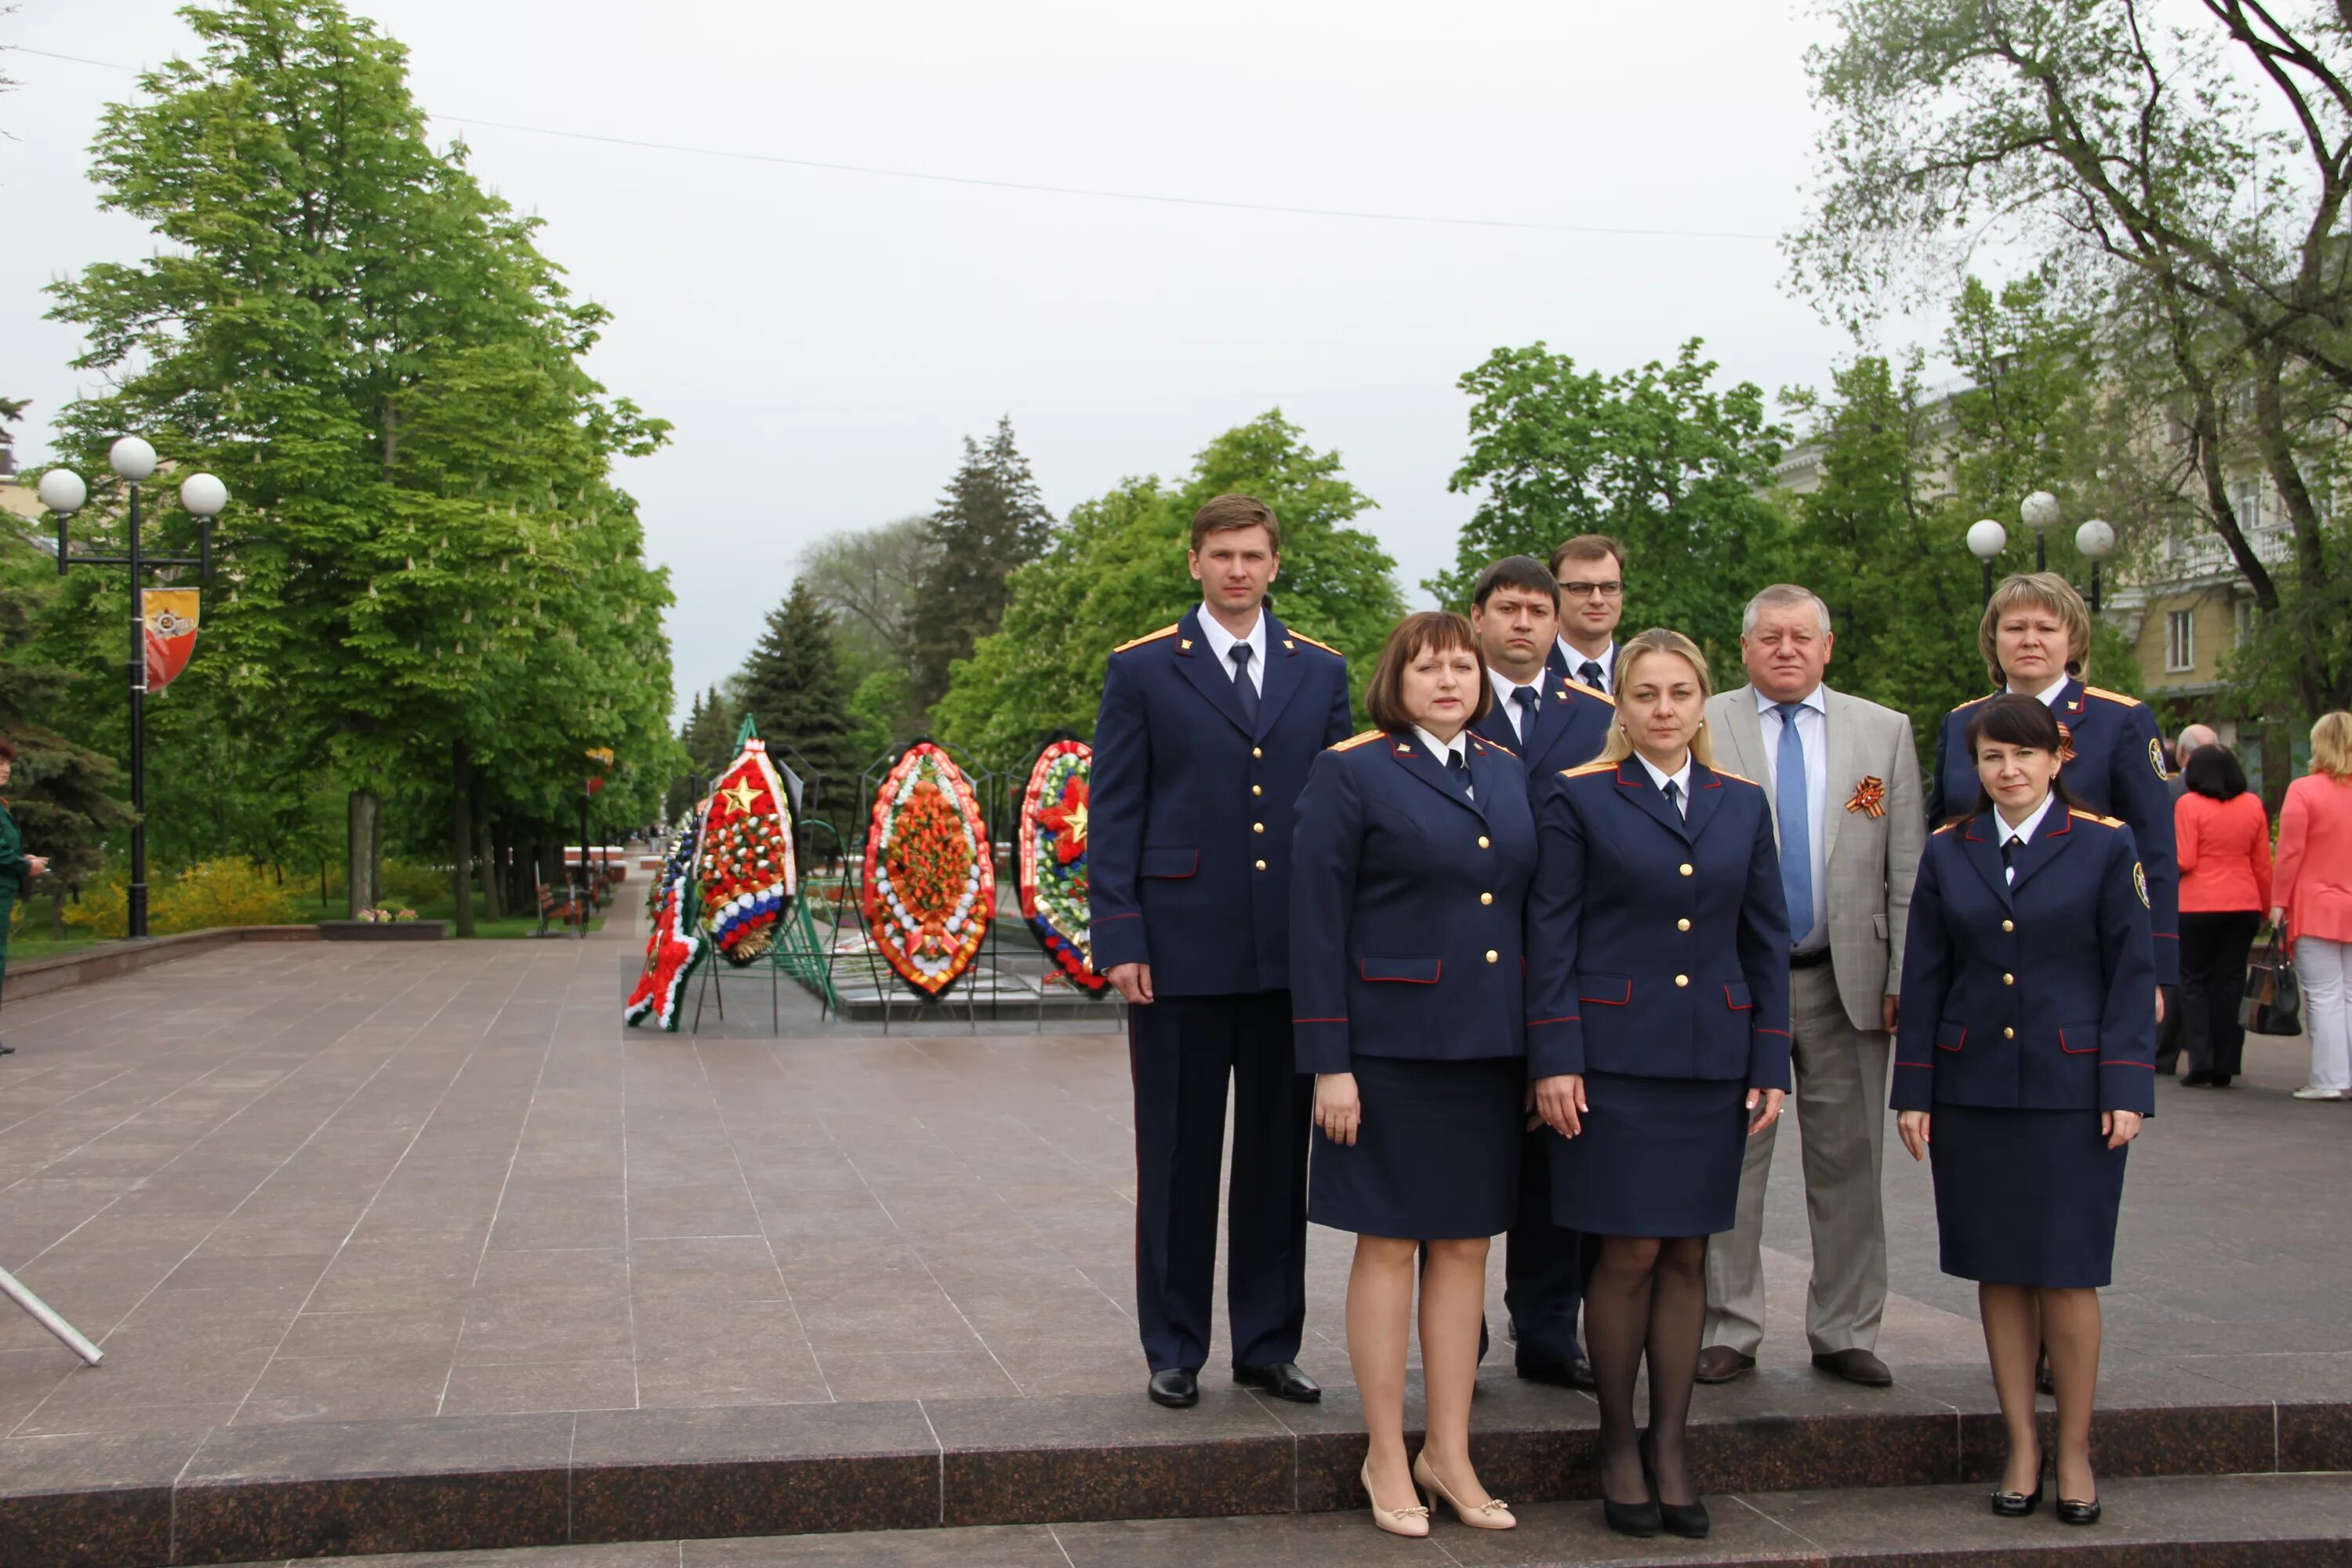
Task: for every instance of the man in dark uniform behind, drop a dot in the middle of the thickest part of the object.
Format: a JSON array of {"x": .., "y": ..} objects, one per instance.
[{"x": 1206, "y": 733}]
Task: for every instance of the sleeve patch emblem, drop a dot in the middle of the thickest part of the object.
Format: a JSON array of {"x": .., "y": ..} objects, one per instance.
[
  {"x": 2139, "y": 884},
  {"x": 2155, "y": 758}
]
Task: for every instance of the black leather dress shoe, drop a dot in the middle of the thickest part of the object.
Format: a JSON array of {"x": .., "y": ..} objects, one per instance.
[
  {"x": 1283, "y": 1380},
  {"x": 1577, "y": 1373},
  {"x": 1855, "y": 1366},
  {"x": 2017, "y": 1505},
  {"x": 1178, "y": 1388},
  {"x": 2076, "y": 1512},
  {"x": 7, "y": 1051},
  {"x": 1721, "y": 1363}
]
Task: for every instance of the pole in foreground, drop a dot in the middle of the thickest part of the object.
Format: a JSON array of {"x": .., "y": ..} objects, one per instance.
[{"x": 46, "y": 1316}]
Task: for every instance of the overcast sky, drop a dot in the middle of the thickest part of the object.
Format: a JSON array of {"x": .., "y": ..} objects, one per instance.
[{"x": 823, "y": 339}]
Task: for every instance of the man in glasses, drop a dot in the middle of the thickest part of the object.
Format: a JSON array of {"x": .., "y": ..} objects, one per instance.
[{"x": 1590, "y": 570}]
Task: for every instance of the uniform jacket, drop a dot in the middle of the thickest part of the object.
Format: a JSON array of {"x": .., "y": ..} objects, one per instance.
[
  {"x": 1572, "y": 725},
  {"x": 1190, "y": 810},
  {"x": 1657, "y": 945},
  {"x": 2040, "y": 996},
  {"x": 2115, "y": 767},
  {"x": 1406, "y": 903},
  {"x": 1873, "y": 855},
  {"x": 2313, "y": 879},
  {"x": 16, "y": 870}
]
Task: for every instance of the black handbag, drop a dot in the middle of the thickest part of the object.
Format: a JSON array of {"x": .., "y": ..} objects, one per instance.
[{"x": 2273, "y": 1003}]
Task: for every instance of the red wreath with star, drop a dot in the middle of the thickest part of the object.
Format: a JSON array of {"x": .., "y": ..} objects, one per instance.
[{"x": 1053, "y": 858}]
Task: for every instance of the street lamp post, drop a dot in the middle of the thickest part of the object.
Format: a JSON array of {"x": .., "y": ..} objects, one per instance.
[
  {"x": 1987, "y": 539},
  {"x": 2096, "y": 541},
  {"x": 2039, "y": 511},
  {"x": 63, "y": 492}
]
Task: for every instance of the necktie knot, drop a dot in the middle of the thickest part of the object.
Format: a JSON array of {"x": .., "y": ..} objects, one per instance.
[
  {"x": 1241, "y": 656},
  {"x": 1244, "y": 689},
  {"x": 1453, "y": 758},
  {"x": 1788, "y": 710},
  {"x": 1675, "y": 796},
  {"x": 1524, "y": 696},
  {"x": 1591, "y": 674}
]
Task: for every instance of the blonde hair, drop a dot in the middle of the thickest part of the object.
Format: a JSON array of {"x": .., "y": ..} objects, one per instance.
[
  {"x": 2331, "y": 745},
  {"x": 2048, "y": 591},
  {"x": 1659, "y": 640}
]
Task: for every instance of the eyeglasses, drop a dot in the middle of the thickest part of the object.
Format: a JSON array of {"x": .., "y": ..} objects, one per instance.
[{"x": 1586, "y": 590}]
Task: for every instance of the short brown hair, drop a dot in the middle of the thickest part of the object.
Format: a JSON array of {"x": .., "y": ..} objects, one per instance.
[
  {"x": 1232, "y": 511},
  {"x": 1588, "y": 547},
  {"x": 2052, "y": 593},
  {"x": 1440, "y": 631}
]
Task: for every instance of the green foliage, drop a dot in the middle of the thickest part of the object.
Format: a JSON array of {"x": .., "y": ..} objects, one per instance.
[
  {"x": 1657, "y": 457},
  {"x": 991, "y": 521},
  {"x": 791, "y": 686},
  {"x": 1117, "y": 571},
  {"x": 210, "y": 893},
  {"x": 426, "y": 545}
]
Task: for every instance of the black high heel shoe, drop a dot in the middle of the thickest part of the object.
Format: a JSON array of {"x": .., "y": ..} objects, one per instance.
[
  {"x": 2017, "y": 1505},
  {"x": 1687, "y": 1519},
  {"x": 1636, "y": 1519},
  {"x": 2070, "y": 1513}
]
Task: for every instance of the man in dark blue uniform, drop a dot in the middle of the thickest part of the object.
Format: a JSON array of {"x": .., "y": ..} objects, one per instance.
[
  {"x": 1207, "y": 731},
  {"x": 1590, "y": 572},
  {"x": 1552, "y": 723}
]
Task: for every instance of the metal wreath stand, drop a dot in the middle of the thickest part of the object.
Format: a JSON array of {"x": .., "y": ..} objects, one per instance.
[{"x": 46, "y": 1316}]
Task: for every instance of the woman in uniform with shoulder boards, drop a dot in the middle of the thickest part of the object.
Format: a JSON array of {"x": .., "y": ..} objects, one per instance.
[
  {"x": 2024, "y": 1063},
  {"x": 1657, "y": 1038},
  {"x": 1411, "y": 860}
]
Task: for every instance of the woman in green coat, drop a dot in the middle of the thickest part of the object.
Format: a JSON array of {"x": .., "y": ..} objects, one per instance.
[{"x": 18, "y": 869}]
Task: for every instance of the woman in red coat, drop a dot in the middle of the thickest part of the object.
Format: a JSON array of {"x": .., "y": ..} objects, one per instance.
[
  {"x": 2222, "y": 835},
  {"x": 2313, "y": 893}
]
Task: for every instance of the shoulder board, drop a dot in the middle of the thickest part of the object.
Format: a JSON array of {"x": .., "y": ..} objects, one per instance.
[
  {"x": 1588, "y": 768},
  {"x": 2093, "y": 816},
  {"x": 2111, "y": 696},
  {"x": 1485, "y": 744},
  {"x": 1947, "y": 826},
  {"x": 1366, "y": 739},
  {"x": 1974, "y": 701},
  {"x": 1592, "y": 691},
  {"x": 1296, "y": 635},
  {"x": 1166, "y": 631},
  {"x": 1728, "y": 773}
]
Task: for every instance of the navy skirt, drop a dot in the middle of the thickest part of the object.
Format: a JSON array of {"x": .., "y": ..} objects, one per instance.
[
  {"x": 1657, "y": 1156},
  {"x": 1437, "y": 1156},
  {"x": 2025, "y": 1197}
]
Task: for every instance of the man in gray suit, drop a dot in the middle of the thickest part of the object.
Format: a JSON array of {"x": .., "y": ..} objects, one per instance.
[{"x": 1844, "y": 779}]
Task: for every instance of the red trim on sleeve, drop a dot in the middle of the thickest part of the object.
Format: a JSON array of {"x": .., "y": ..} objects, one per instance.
[
  {"x": 2149, "y": 1066},
  {"x": 1569, "y": 1019},
  {"x": 1319, "y": 1020}
]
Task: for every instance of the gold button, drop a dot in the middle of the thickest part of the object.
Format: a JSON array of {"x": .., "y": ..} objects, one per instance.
[
  {"x": 2008, "y": 1034},
  {"x": 1494, "y": 957},
  {"x": 1682, "y": 980},
  {"x": 1258, "y": 827},
  {"x": 1482, "y": 842},
  {"x": 2008, "y": 980},
  {"x": 2009, "y": 925},
  {"x": 1485, "y": 898},
  {"x": 1257, "y": 789},
  {"x": 1682, "y": 925},
  {"x": 1685, "y": 868},
  {"x": 1261, "y": 864},
  {"x": 1257, "y": 751}
]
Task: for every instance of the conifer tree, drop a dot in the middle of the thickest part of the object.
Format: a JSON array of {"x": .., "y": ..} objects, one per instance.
[
  {"x": 990, "y": 520},
  {"x": 791, "y": 686}
]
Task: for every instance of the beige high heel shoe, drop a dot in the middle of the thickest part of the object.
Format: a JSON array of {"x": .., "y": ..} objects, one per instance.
[
  {"x": 1412, "y": 1521},
  {"x": 1492, "y": 1514}
]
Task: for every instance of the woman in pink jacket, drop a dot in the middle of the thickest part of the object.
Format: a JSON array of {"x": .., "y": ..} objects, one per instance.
[
  {"x": 2314, "y": 890},
  {"x": 2222, "y": 836}
]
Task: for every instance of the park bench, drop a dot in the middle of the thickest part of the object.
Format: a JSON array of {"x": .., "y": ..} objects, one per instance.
[{"x": 564, "y": 904}]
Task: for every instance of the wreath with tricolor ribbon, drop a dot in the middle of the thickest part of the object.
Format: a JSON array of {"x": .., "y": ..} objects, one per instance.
[
  {"x": 930, "y": 879},
  {"x": 1052, "y": 864}
]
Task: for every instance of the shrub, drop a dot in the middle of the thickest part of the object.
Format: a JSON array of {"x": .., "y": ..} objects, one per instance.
[{"x": 226, "y": 892}]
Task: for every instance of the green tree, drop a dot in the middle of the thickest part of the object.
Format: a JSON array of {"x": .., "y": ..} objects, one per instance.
[
  {"x": 1117, "y": 571},
  {"x": 791, "y": 686},
  {"x": 991, "y": 521},
  {"x": 1657, "y": 457},
  {"x": 870, "y": 579},
  {"x": 2182, "y": 175},
  {"x": 432, "y": 590}
]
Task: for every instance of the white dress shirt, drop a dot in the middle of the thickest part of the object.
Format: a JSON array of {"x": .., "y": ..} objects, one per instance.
[
  {"x": 1607, "y": 660},
  {"x": 1221, "y": 646},
  {"x": 1681, "y": 781},
  {"x": 1504, "y": 686},
  {"x": 1440, "y": 750},
  {"x": 1813, "y": 738},
  {"x": 2023, "y": 832},
  {"x": 2048, "y": 698}
]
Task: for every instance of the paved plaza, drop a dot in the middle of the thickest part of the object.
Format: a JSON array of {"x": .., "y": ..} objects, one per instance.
[{"x": 324, "y": 1185}]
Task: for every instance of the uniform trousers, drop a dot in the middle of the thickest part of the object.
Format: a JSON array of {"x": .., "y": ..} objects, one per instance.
[
  {"x": 1841, "y": 1105},
  {"x": 1182, "y": 1050}
]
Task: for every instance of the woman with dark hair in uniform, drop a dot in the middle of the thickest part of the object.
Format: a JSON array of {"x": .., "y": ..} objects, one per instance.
[{"x": 2024, "y": 1064}]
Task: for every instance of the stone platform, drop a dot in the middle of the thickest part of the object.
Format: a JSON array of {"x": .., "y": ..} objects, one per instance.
[{"x": 399, "y": 1249}]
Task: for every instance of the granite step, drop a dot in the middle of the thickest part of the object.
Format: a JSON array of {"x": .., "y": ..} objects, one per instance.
[
  {"x": 472, "y": 1483},
  {"x": 2223, "y": 1522}
]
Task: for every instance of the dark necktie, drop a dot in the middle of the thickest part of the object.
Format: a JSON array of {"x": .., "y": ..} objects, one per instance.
[
  {"x": 2009, "y": 856},
  {"x": 1453, "y": 765},
  {"x": 1245, "y": 689},
  {"x": 1675, "y": 796},
  {"x": 1590, "y": 675},
  {"x": 1524, "y": 699}
]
